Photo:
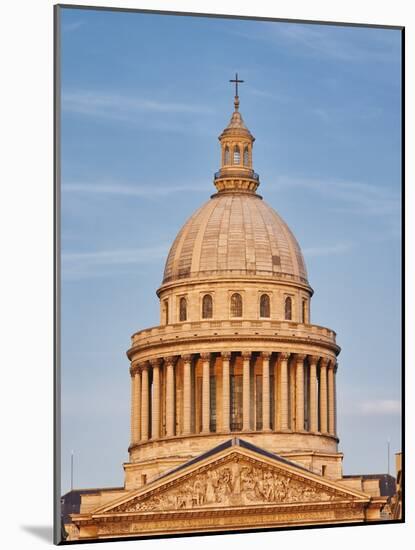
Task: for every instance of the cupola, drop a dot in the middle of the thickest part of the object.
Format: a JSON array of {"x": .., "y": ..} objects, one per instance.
[{"x": 236, "y": 173}]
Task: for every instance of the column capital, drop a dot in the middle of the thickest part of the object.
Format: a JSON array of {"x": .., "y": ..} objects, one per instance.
[
  {"x": 145, "y": 366},
  {"x": 300, "y": 357},
  {"x": 283, "y": 356},
  {"x": 134, "y": 370},
  {"x": 187, "y": 358},
  {"x": 205, "y": 356},
  {"x": 324, "y": 361},
  {"x": 170, "y": 359},
  {"x": 313, "y": 359},
  {"x": 139, "y": 366},
  {"x": 155, "y": 362},
  {"x": 246, "y": 355},
  {"x": 266, "y": 355},
  {"x": 332, "y": 364},
  {"x": 226, "y": 355}
]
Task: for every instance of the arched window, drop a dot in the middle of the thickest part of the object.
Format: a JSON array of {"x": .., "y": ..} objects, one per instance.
[
  {"x": 236, "y": 155},
  {"x": 236, "y": 305},
  {"x": 264, "y": 306},
  {"x": 226, "y": 158},
  {"x": 207, "y": 307},
  {"x": 304, "y": 312},
  {"x": 288, "y": 308},
  {"x": 246, "y": 156},
  {"x": 183, "y": 309}
]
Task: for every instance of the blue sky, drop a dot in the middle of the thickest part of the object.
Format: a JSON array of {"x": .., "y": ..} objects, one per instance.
[{"x": 144, "y": 98}]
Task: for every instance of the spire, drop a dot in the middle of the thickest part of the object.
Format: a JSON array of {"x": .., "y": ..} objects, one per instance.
[
  {"x": 236, "y": 81},
  {"x": 236, "y": 173}
]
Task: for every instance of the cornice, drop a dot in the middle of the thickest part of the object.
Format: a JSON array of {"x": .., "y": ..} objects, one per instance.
[{"x": 240, "y": 338}]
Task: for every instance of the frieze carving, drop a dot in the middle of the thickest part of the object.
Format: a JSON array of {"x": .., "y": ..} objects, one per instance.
[{"x": 234, "y": 483}]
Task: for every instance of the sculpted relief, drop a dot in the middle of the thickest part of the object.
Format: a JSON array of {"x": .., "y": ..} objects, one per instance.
[{"x": 235, "y": 483}]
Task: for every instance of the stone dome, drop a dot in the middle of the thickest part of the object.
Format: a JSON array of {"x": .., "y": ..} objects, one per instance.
[{"x": 235, "y": 234}]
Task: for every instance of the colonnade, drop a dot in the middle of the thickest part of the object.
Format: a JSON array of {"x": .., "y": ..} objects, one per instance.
[{"x": 220, "y": 392}]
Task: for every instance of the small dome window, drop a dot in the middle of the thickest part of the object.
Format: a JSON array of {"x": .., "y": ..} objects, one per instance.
[
  {"x": 246, "y": 156},
  {"x": 236, "y": 155},
  {"x": 264, "y": 306},
  {"x": 207, "y": 307},
  {"x": 288, "y": 308},
  {"x": 236, "y": 305},
  {"x": 183, "y": 309}
]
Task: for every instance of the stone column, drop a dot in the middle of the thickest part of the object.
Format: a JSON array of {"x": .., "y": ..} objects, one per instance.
[
  {"x": 144, "y": 403},
  {"x": 187, "y": 396},
  {"x": 138, "y": 404},
  {"x": 299, "y": 393},
  {"x": 335, "y": 399},
  {"x": 246, "y": 417},
  {"x": 170, "y": 418},
  {"x": 313, "y": 394},
  {"x": 205, "y": 392},
  {"x": 331, "y": 429},
  {"x": 266, "y": 420},
  {"x": 323, "y": 395},
  {"x": 134, "y": 438},
  {"x": 155, "y": 412},
  {"x": 283, "y": 363},
  {"x": 226, "y": 409}
]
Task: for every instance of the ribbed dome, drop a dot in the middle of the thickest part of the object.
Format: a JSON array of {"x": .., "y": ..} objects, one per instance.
[{"x": 235, "y": 234}]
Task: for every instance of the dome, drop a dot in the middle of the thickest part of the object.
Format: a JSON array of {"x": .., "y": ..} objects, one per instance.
[{"x": 235, "y": 234}]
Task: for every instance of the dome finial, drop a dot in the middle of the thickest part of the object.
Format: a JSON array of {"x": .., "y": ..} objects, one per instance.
[{"x": 237, "y": 81}]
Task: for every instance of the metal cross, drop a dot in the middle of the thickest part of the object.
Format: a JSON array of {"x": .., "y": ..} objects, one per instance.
[{"x": 237, "y": 81}]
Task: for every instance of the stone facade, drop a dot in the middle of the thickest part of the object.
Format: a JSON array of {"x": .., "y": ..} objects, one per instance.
[{"x": 233, "y": 395}]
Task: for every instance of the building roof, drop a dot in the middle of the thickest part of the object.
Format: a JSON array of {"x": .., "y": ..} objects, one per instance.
[
  {"x": 234, "y": 441},
  {"x": 387, "y": 483},
  {"x": 235, "y": 234}
]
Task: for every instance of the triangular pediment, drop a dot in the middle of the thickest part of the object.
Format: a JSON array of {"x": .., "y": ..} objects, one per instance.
[{"x": 234, "y": 477}]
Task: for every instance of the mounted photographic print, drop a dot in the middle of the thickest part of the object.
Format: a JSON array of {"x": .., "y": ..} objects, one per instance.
[{"x": 229, "y": 274}]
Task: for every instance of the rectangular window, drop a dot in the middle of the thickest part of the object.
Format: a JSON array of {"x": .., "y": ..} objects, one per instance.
[
  {"x": 212, "y": 399},
  {"x": 273, "y": 400},
  {"x": 199, "y": 394},
  {"x": 236, "y": 402},
  {"x": 258, "y": 399}
]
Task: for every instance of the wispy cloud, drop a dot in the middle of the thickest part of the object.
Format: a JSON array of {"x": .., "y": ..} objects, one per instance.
[
  {"x": 74, "y": 26},
  {"x": 316, "y": 251},
  {"x": 81, "y": 265},
  {"x": 266, "y": 94},
  {"x": 343, "y": 44},
  {"x": 130, "y": 190},
  {"x": 380, "y": 407},
  {"x": 122, "y": 106},
  {"x": 371, "y": 407},
  {"x": 348, "y": 196}
]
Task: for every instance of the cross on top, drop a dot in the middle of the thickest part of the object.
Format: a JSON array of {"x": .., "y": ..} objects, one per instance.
[{"x": 237, "y": 81}]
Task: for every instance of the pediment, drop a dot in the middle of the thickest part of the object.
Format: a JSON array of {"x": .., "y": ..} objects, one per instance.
[{"x": 235, "y": 479}]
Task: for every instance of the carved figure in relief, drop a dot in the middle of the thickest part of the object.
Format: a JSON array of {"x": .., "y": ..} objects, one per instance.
[
  {"x": 198, "y": 493},
  {"x": 211, "y": 486}
]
